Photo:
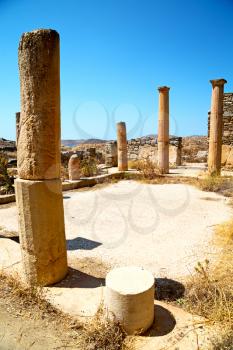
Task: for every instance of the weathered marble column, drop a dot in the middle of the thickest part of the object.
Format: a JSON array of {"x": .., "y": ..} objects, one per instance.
[
  {"x": 74, "y": 168},
  {"x": 17, "y": 120},
  {"x": 163, "y": 130},
  {"x": 38, "y": 189},
  {"x": 122, "y": 147},
  {"x": 215, "y": 138}
]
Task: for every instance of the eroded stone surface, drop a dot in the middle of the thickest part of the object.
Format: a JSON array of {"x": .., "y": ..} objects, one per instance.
[
  {"x": 39, "y": 139},
  {"x": 42, "y": 232}
]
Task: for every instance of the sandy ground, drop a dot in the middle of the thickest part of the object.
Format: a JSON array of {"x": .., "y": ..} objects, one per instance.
[{"x": 164, "y": 228}]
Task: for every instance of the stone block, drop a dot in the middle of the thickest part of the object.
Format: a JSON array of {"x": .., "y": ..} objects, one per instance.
[{"x": 41, "y": 230}]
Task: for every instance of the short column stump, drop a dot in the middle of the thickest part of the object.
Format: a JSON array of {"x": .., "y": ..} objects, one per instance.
[{"x": 130, "y": 298}]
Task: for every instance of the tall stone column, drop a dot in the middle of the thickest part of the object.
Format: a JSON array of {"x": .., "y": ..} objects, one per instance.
[
  {"x": 163, "y": 130},
  {"x": 17, "y": 117},
  {"x": 215, "y": 138},
  {"x": 122, "y": 147},
  {"x": 38, "y": 189}
]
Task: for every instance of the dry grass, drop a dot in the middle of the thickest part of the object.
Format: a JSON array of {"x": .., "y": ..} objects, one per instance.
[
  {"x": 147, "y": 168},
  {"x": 99, "y": 333},
  {"x": 25, "y": 298},
  {"x": 225, "y": 342},
  {"x": 223, "y": 185},
  {"x": 64, "y": 173},
  {"x": 209, "y": 292},
  {"x": 103, "y": 332}
]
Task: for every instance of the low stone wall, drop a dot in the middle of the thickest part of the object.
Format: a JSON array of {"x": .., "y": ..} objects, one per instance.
[
  {"x": 144, "y": 148},
  {"x": 147, "y": 148},
  {"x": 7, "y": 198},
  {"x": 227, "y": 138}
]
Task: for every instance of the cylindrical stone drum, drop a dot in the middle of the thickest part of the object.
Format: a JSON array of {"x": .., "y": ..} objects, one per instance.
[
  {"x": 39, "y": 155},
  {"x": 130, "y": 297}
]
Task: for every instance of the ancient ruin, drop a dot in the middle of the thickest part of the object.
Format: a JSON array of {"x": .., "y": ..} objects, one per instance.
[
  {"x": 215, "y": 139},
  {"x": 38, "y": 188},
  {"x": 109, "y": 240},
  {"x": 122, "y": 147},
  {"x": 163, "y": 130}
]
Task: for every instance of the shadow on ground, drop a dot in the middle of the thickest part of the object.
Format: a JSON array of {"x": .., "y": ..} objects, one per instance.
[
  {"x": 163, "y": 324},
  {"x": 78, "y": 279},
  {"x": 80, "y": 243},
  {"x": 168, "y": 289},
  {"x": 13, "y": 238}
]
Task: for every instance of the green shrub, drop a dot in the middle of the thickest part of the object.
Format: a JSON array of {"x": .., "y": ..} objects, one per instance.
[{"x": 89, "y": 168}]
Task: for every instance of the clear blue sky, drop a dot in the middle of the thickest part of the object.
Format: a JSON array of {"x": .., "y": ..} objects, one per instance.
[{"x": 114, "y": 55}]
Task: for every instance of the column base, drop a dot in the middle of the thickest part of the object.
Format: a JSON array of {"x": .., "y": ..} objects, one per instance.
[{"x": 41, "y": 230}]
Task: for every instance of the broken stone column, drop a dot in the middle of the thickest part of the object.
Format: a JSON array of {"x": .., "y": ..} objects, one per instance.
[
  {"x": 38, "y": 189},
  {"x": 215, "y": 139},
  {"x": 163, "y": 130},
  {"x": 130, "y": 298},
  {"x": 122, "y": 147},
  {"x": 111, "y": 154},
  {"x": 179, "y": 152},
  {"x": 74, "y": 168},
  {"x": 17, "y": 117}
]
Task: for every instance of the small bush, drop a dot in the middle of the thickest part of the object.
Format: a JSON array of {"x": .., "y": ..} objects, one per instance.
[
  {"x": 89, "y": 167},
  {"x": 209, "y": 293},
  {"x": 216, "y": 184},
  {"x": 103, "y": 332},
  {"x": 133, "y": 164},
  {"x": 148, "y": 169},
  {"x": 64, "y": 172},
  {"x": 5, "y": 179}
]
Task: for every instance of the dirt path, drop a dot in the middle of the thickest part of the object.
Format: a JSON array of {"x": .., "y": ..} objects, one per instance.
[{"x": 25, "y": 325}]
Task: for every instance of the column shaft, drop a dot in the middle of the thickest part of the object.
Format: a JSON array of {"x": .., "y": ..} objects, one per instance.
[
  {"x": 215, "y": 138},
  {"x": 122, "y": 147},
  {"x": 163, "y": 130}
]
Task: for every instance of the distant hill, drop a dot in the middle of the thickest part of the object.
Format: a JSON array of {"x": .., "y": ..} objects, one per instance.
[
  {"x": 73, "y": 143},
  {"x": 7, "y": 145}
]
